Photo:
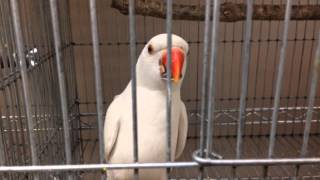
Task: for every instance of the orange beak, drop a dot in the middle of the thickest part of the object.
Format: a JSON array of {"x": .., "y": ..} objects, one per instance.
[{"x": 177, "y": 60}]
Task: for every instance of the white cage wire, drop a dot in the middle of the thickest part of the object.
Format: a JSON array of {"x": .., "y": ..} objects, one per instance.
[{"x": 251, "y": 93}]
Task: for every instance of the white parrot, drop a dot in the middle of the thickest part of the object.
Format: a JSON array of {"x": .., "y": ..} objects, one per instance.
[{"x": 151, "y": 111}]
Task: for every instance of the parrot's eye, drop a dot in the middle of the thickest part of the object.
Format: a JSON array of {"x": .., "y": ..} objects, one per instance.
[{"x": 150, "y": 49}]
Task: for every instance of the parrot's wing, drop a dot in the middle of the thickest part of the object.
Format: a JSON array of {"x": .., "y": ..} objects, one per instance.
[
  {"x": 111, "y": 127},
  {"x": 182, "y": 131}
]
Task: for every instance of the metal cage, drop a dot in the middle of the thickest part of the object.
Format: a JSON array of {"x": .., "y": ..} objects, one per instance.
[{"x": 251, "y": 93}]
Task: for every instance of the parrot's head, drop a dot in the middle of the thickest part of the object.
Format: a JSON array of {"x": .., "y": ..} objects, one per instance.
[{"x": 152, "y": 62}]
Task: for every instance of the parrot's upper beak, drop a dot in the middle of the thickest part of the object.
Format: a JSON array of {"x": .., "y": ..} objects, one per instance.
[{"x": 177, "y": 60}]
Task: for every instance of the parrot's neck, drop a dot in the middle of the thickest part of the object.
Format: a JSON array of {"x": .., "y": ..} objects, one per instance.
[{"x": 162, "y": 90}]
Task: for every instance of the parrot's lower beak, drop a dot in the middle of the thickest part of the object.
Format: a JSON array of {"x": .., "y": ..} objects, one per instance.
[{"x": 177, "y": 60}]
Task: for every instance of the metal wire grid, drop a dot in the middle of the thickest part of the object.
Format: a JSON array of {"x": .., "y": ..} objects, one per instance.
[
  {"x": 35, "y": 137},
  {"x": 52, "y": 120}
]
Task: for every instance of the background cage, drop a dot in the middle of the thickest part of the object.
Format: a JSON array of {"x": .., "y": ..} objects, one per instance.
[{"x": 39, "y": 35}]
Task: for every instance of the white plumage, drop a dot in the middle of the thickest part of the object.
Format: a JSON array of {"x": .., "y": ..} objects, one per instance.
[{"x": 151, "y": 109}]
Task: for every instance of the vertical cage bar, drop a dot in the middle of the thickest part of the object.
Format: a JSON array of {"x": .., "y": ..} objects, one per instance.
[
  {"x": 279, "y": 79},
  {"x": 23, "y": 143},
  {"x": 4, "y": 140},
  {"x": 312, "y": 94},
  {"x": 204, "y": 76},
  {"x": 97, "y": 70},
  {"x": 25, "y": 83},
  {"x": 2, "y": 147},
  {"x": 204, "y": 82},
  {"x": 24, "y": 76},
  {"x": 169, "y": 85},
  {"x": 211, "y": 88},
  {"x": 5, "y": 125},
  {"x": 3, "y": 153},
  {"x": 132, "y": 33},
  {"x": 244, "y": 78},
  {"x": 61, "y": 81},
  {"x": 4, "y": 68}
]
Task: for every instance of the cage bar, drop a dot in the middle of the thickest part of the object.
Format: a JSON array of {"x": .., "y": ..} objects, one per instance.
[
  {"x": 212, "y": 86},
  {"x": 279, "y": 79},
  {"x": 62, "y": 83},
  {"x": 132, "y": 32},
  {"x": 204, "y": 77},
  {"x": 98, "y": 83},
  {"x": 206, "y": 162},
  {"x": 204, "y": 85},
  {"x": 168, "y": 80},
  {"x": 25, "y": 81},
  {"x": 244, "y": 78},
  {"x": 312, "y": 94},
  {"x": 24, "y": 76}
]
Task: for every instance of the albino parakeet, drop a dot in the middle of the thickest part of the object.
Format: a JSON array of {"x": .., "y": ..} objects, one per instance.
[{"x": 151, "y": 109}]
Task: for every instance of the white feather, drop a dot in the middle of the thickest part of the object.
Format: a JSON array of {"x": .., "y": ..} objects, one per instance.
[{"x": 151, "y": 110}]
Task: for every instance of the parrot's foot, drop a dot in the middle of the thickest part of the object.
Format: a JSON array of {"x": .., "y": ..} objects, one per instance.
[
  {"x": 212, "y": 155},
  {"x": 103, "y": 170}
]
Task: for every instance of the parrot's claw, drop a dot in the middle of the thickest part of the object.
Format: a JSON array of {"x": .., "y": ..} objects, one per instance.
[
  {"x": 212, "y": 155},
  {"x": 103, "y": 170}
]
